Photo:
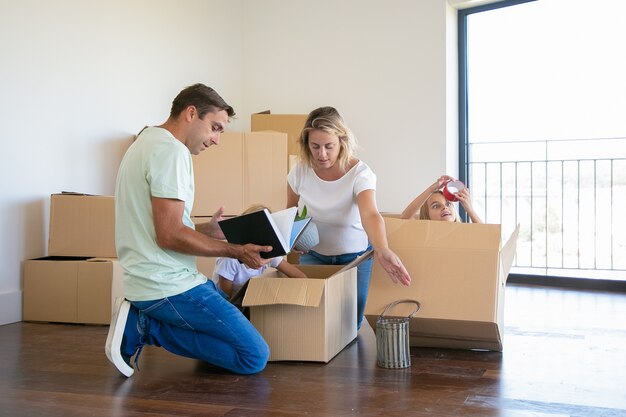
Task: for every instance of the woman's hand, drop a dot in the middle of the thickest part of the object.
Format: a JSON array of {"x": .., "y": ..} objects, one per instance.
[{"x": 393, "y": 266}]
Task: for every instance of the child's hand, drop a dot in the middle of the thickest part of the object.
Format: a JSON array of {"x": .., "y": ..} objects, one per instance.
[
  {"x": 464, "y": 198},
  {"x": 214, "y": 230},
  {"x": 441, "y": 181}
]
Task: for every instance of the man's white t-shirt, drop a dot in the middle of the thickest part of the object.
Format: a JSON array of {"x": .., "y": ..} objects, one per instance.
[
  {"x": 155, "y": 165},
  {"x": 333, "y": 206}
]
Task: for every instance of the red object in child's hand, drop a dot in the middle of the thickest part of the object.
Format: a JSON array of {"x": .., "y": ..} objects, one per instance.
[{"x": 451, "y": 188}]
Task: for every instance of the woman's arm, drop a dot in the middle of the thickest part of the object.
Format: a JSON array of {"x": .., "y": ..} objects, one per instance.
[
  {"x": 292, "y": 197},
  {"x": 412, "y": 209},
  {"x": 374, "y": 226}
]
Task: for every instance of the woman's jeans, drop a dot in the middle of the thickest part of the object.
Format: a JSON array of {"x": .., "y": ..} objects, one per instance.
[
  {"x": 364, "y": 271},
  {"x": 202, "y": 324}
]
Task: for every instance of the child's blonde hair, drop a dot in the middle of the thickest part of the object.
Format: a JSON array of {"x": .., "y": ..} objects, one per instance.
[
  {"x": 425, "y": 209},
  {"x": 255, "y": 207}
]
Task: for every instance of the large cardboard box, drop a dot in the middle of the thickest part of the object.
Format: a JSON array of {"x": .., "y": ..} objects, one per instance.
[
  {"x": 82, "y": 225},
  {"x": 71, "y": 290},
  {"x": 458, "y": 273},
  {"x": 291, "y": 124},
  {"x": 304, "y": 319},
  {"x": 247, "y": 168}
]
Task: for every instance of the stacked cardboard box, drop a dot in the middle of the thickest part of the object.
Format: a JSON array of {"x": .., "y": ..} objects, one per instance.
[
  {"x": 248, "y": 168},
  {"x": 80, "y": 279},
  {"x": 291, "y": 124},
  {"x": 205, "y": 264},
  {"x": 458, "y": 273}
]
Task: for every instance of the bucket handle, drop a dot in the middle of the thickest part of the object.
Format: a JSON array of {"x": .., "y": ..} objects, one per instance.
[{"x": 395, "y": 303}]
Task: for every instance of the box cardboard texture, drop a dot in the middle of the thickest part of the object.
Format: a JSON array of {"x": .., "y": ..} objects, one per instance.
[
  {"x": 205, "y": 264},
  {"x": 247, "y": 168},
  {"x": 304, "y": 319},
  {"x": 458, "y": 273},
  {"x": 82, "y": 225},
  {"x": 71, "y": 290},
  {"x": 291, "y": 124}
]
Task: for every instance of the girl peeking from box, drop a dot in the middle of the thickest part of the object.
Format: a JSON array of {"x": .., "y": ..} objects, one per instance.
[{"x": 436, "y": 202}]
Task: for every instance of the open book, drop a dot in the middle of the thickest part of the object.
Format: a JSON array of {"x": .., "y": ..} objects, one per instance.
[{"x": 279, "y": 230}]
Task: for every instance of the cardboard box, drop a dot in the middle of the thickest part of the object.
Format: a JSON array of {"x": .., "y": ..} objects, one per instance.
[
  {"x": 304, "y": 319},
  {"x": 206, "y": 265},
  {"x": 71, "y": 290},
  {"x": 458, "y": 273},
  {"x": 247, "y": 168},
  {"x": 82, "y": 225},
  {"x": 218, "y": 176},
  {"x": 291, "y": 124}
]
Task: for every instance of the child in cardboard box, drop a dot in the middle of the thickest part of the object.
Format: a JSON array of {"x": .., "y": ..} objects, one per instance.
[
  {"x": 433, "y": 205},
  {"x": 230, "y": 274}
]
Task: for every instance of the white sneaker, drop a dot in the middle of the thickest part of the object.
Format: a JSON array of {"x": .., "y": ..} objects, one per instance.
[{"x": 113, "y": 345}]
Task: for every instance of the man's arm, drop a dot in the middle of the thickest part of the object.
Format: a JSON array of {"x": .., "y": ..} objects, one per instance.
[{"x": 172, "y": 234}]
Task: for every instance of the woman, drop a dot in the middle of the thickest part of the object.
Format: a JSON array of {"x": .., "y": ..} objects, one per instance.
[
  {"x": 433, "y": 205},
  {"x": 339, "y": 192}
]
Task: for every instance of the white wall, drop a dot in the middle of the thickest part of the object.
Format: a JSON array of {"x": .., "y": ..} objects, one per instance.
[
  {"x": 382, "y": 64},
  {"x": 78, "y": 79}
]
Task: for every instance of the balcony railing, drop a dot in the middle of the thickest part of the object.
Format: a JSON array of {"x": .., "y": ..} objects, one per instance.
[{"x": 568, "y": 196}]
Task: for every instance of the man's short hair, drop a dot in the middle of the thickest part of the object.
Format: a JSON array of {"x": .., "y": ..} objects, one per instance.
[{"x": 203, "y": 98}]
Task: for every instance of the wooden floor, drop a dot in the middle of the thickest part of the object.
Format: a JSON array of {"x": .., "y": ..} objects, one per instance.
[{"x": 564, "y": 355}]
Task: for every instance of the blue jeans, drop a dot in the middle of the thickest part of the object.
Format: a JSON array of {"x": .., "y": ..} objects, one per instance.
[
  {"x": 202, "y": 324},
  {"x": 363, "y": 274}
]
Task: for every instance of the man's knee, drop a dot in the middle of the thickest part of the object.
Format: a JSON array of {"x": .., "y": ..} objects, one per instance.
[{"x": 255, "y": 360}]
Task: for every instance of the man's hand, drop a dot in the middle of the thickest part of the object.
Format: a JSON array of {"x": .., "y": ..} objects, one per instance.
[{"x": 250, "y": 255}]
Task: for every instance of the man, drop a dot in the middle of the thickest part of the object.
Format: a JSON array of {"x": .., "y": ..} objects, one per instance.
[{"x": 167, "y": 301}]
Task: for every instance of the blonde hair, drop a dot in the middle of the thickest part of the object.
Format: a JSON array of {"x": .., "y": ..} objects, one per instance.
[
  {"x": 425, "y": 209},
  {"x": 328, "y": 119},
  {"x": 255, "y": 207}
]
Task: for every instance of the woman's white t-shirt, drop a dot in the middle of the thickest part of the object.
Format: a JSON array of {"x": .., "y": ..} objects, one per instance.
[{"x": 333, "y": 206}]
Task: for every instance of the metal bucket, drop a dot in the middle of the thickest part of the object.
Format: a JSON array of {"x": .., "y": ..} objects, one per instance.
[{"x": 392, "y": 338}]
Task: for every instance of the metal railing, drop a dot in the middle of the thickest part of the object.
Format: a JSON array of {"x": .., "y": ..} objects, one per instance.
[{"x": 568, "y": 196}]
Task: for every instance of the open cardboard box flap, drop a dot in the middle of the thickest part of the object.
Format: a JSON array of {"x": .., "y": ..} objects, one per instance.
[
  {"x": 273, "y": 288},
  {"x": 296, "y": 291}
]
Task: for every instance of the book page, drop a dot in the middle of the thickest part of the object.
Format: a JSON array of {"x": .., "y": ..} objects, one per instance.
[
  {"x": 298, "y": 227},
  {"x": 283, "y": 220}
]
